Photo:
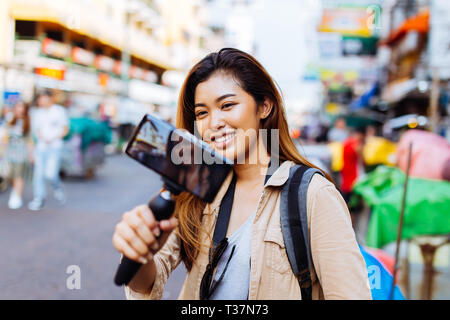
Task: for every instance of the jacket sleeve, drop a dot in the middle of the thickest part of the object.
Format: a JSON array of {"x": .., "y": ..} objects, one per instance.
[
  {"x": 337, "y": 259},
  {"x": 166, "y": 260}
]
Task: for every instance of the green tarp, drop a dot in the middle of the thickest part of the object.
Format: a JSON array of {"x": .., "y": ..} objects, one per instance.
[
  {"x": 427, "y": 208},
  {"x": 90, "y": 131}
]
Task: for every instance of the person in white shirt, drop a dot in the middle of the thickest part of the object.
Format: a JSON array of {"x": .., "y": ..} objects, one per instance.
[{"x": 49, "y": 124}]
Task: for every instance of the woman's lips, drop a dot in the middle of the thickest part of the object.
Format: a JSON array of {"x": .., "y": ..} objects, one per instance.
[{"x": 224, "y": 141}]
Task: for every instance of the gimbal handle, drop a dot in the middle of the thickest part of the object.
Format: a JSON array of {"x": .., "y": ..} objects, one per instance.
[{"x": 162, "y": 206}]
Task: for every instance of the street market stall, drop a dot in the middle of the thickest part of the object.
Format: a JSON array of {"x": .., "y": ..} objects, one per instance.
[
  {"x": 426, "y": 211},
  {"x": 84, "y": 147}
]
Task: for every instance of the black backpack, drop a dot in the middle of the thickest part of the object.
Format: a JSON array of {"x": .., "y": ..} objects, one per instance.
[{"x": 294, "y": 225}]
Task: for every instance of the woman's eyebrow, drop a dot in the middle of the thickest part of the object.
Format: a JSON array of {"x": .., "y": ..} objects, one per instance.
[{"x": 217, "y": 100}]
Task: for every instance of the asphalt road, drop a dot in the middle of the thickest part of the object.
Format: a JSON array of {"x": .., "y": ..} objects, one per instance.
[{"x": 37, "y": 249}]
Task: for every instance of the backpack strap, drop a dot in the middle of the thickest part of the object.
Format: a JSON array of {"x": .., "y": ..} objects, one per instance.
[{"x": 294, "y": 225}]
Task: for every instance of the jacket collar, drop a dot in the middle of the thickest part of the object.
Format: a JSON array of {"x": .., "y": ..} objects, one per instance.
[{"x": 278, "y": 178}]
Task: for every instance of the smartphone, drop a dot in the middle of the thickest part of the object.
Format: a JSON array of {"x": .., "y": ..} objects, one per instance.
[{"x": 179, "y": 156}]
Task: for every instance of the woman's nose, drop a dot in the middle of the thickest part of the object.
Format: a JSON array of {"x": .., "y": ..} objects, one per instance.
[{"x": 217, "y": 120}]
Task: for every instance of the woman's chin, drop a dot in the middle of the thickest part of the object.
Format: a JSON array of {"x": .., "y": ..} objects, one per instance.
[{"x": 229, "y": 153}]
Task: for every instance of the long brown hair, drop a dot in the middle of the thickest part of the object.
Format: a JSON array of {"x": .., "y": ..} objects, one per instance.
[
  {"x": 254, "y": 79},
  {"x": 26, "y": 118}
]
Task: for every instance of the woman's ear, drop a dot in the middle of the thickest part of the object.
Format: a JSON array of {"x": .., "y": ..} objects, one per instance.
[{"x": 265, "y": 108}]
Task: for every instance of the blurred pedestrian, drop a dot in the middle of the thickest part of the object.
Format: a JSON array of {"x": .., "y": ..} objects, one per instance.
[
  {"x": 225, "y": 96},
  {"x": 6, "y": 115},
  {"x": 18, "y": 152},
  {"x": 322, "y": 136},
  {"x": 371, "y": 131},
  {"x": 353, "y": 161},
  {"x": 50, "y": 124},
  {"x": 339, "y": 132}
]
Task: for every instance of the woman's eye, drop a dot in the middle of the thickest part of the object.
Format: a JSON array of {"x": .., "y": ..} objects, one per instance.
[
  {"x": 227, "y": 105},
  {"x": 200, "y": 113}
]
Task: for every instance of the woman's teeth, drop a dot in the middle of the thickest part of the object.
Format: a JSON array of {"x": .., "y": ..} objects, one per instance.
[{"x": 224, "y": 138}]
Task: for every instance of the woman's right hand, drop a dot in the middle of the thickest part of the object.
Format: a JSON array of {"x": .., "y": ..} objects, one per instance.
[{"x": 138, "y": 236}]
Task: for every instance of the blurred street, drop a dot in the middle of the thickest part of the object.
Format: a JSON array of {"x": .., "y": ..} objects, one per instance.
[
  {"x": 37, "y": 247},
  {"x": 366, "y": 92}
]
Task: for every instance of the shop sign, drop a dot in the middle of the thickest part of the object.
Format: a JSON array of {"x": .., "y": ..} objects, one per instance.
[
  {"x": 150, "y": 92},
  {"x": 26, "y": 50},
  {"x": 55, "y": 49},
  {"x": 173, "y": 78},
  {"x": 82, "y": 56},
  {"x": 352, "y": 45},
  {"x": 352, "y": 21},
  {"x": 114, "y": 85},
  {"x": 330, "y": 44},
  {"x": 150, "y": 76},
  {"x": 136, "y": 72},
  {"x": 83, "y": 80},
  {"x": 104, "y": 63},
  {"x": 57, "y": 74},
  {"x": 117, "y": 68},
  {"x": 11, "y": 97}
]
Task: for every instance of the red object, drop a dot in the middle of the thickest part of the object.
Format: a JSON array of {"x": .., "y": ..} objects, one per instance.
[
  {"x": 387, "y": 260},
  {"x": 349, "y": 172}
]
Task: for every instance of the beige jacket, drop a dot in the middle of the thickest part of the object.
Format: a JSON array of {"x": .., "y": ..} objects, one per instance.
[{"x": 339, "y": 269}]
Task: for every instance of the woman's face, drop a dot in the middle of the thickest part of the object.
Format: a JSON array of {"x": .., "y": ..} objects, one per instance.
[{"x": 225, "y": 115}]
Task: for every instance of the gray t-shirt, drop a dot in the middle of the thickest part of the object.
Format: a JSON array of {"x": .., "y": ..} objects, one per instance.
[{"x": 236, "y": 280}]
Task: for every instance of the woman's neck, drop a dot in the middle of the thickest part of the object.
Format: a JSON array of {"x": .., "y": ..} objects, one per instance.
[{"x": 256, "y": 169}]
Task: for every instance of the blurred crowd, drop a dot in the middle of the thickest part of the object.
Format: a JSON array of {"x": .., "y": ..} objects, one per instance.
[{"x": 31, "y": 149}]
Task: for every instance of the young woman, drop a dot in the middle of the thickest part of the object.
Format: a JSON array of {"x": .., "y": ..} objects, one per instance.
[
  {"x": 224, "y": 97},
  {"x": 18, "y": 152}
]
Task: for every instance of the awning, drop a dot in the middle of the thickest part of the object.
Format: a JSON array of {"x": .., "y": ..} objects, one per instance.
[{"x": 419, "y": 23}]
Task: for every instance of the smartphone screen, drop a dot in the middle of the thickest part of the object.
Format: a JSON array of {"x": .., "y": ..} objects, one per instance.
[{"x": 179, "y": 156}]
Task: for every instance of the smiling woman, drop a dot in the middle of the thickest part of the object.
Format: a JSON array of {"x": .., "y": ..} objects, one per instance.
[
  {"x": 233, "y": 248},
  {"x": 226, "y": 99}
]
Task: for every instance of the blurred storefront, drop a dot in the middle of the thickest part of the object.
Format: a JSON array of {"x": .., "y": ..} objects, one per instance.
[
  {"x": 105, "y": 58},
  {"x": 383, "y": 63},
  {"x": 348, "y": 33},
  {"x": 414, "y": 81}
]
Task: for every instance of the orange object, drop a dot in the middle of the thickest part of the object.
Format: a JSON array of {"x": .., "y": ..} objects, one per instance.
[
  {"x": 295, "y": 133},
  {"x": 419, "y": 23},
  {"x": 51, "y": 73}
]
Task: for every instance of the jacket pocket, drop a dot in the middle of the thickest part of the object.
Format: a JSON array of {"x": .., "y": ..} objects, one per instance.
[{"x": 275, "y": 253}]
